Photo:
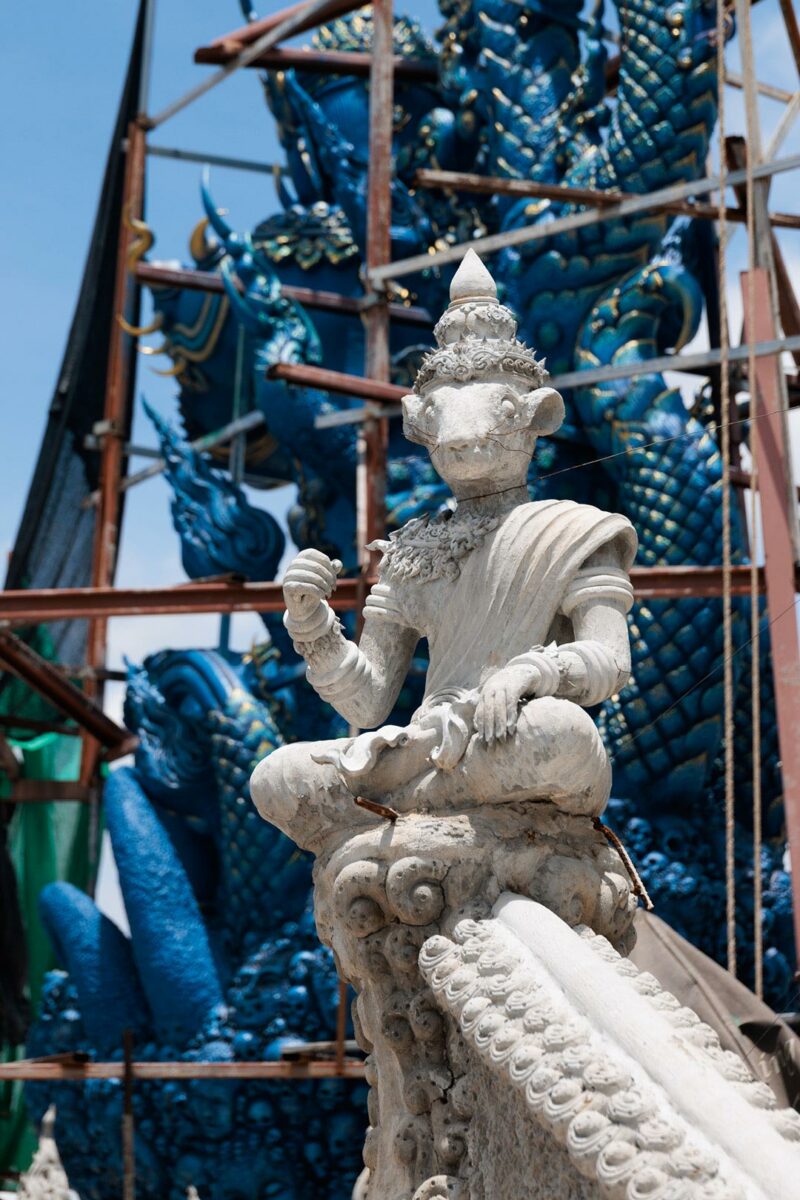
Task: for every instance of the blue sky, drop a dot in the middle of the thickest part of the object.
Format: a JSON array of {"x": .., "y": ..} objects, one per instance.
[{"x": 59, "y": 88}]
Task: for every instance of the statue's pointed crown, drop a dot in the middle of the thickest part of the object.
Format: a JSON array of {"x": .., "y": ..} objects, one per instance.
[{"x": 476, "y": 335}]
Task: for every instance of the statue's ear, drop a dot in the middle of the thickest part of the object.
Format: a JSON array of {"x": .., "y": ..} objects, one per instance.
[
  {"x": 412, "y": 419},
  {"x": 545, "y": 410}
]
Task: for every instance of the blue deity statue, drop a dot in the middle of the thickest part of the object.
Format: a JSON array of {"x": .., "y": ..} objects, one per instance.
[{"x": 222, "y": 963}]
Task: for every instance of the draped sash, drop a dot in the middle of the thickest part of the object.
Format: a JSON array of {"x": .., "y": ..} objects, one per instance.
[{"x": 510, "y": 589}]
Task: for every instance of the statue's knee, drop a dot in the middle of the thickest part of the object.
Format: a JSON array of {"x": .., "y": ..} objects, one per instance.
[
  {"x": 268, "y": 783},
  {"x": 569, "y": 751}
]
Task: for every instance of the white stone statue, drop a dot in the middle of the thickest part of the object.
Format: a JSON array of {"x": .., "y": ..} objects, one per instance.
[
  {"x": 523, "y": 605},
  {"x": 502, "y": 1053}
]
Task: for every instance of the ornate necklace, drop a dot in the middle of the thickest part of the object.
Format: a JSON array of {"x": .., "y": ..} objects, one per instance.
[{"x": 426, "y": 549}]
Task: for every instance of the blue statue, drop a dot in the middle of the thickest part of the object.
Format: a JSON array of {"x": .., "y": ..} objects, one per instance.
[{"x": 222, "y": 962}]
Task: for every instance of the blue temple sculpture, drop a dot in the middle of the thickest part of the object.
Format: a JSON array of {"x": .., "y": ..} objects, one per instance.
[{"x": 222, "y": 961}]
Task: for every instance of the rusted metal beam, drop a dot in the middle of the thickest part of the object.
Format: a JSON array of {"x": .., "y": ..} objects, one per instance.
[
  {"x": 156, "y": 276},
  {"x": 9, "y": 763},
  {"x": 736, "y": 154},
  {"x": 28, "y": 607},
  {"x": 121, "y": 366},
  {"x": 338, "y": 382},
  {"x": 377, "y": 364},
  {"x": 792, "y": 29},
  {"x": 685, "y": 582},
  {"x": 464, "y": 181},
  {"x": 635, "y": 204},
  {"x": 316, "y": 12},
  {"x": 743, "y": 479},
  {"x": 37, "y": 726},
  {"x": 235, "y": 41},
  {"x": 325, "y": 62},
  {"x": 48, "y": 791},
  {"x": 766, "y": 89},
  {"x": 78, "y": 1070},
  {"x": 374, "y": 390},
  {"x": 45, "y": 679},
  {"x": 778, "y": 527}
]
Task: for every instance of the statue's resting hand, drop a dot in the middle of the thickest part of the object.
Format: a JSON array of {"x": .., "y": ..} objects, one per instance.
[
  {"x": 310, "y": 578},
  {"x": 497, "y": 710}
]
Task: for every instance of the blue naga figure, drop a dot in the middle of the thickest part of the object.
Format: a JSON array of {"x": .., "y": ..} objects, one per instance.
[{"x": 222, "y": 962}]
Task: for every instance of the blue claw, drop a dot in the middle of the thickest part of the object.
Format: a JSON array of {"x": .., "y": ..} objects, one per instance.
[
  {"x": 170, "y": 945},
  {"x": 100, "y": 962}
]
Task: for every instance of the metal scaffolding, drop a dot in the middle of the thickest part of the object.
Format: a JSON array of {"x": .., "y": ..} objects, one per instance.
[{"x": 258, "y": 45}]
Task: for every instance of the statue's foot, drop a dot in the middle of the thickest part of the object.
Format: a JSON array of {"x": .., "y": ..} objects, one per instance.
[
  {"x": 556, "y": 755},
  {"x": 385, "y": 762}
]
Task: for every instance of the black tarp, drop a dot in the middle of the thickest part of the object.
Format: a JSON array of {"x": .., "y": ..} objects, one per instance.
[
  {"x": 54, "y": 542},
  {"x": 53, "y": 548}
]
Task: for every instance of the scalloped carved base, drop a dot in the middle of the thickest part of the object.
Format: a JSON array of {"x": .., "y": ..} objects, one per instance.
[{"x": 382, "y": 890}]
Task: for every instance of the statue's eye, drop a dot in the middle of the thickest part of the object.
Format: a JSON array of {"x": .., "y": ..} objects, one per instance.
[{"x": 508, "y": 408}]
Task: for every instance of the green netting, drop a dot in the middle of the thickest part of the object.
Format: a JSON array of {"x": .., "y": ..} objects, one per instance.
[{"x": 46, "y": 842}]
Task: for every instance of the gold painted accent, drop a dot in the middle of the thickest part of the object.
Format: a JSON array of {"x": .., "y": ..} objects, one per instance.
[
  {"x": 205, "y": 351},
  {"x": 176, "y": 370},
  {"x": 141, "y": 330},
  {"x": 199, "y": 246},
  {"x": 142, "y": 242},
  {"x": 191, "y": 331}
]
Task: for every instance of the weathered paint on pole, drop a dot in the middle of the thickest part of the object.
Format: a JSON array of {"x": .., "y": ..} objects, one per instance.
[
  {"x": 121, "y": 364},
  {"x": 31, "y": 606},
  {"x": 778, "y": 532},
  {"x": 499, "y": 185},
  {"x": 372, "y": 459}
]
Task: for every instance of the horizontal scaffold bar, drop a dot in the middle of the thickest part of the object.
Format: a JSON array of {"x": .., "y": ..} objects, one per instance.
[
  {"x": 29, "y": 606},
  {"x": 236, "y": 41},
  {"x": 47, "y": 791},
  {"x": 464, "y": 181},
  {"x": 326, "y": 62},
  {"x": 214, "y": 160},
  {"x": 46, "y": 679},
  {"x": 531, "y": 233},
  {"x": 77, "y": 1069},
  {"x": 157, "y": 276},
  {"x": 218, "y": 437},
  {"x": 337, "y": 381},
  {"x": 373, "y": 390},
  {"x": 287, "y": 24}
]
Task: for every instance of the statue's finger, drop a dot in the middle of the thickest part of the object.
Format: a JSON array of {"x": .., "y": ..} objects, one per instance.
[
  {"x": 311, "y": 555},
  {"x": 501, "y": 718},
  {"x": 512, "y": 711},
  {"x": 491, "y": 709},
  {"x": 310, "y": 577}
]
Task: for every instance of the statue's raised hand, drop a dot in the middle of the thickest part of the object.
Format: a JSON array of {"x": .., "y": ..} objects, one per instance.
[
  {"x": 499, "y": 702},
  {"x": 309, "y": 579}
]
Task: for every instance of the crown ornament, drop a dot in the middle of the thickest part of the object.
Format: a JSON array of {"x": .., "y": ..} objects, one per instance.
[{"x": 476, "y": 335}]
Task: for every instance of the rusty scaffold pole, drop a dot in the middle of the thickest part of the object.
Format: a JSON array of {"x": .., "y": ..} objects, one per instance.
[
  {"x": 761, "y": 286},
  {"x": 376, "y": 317},
  {"x": 111, "y": 432}
]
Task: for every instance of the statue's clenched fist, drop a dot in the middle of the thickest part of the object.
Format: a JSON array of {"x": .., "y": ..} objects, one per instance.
[{"x": 309, "y": 578}]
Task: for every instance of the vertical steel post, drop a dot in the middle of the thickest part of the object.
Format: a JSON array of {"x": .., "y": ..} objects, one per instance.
[
  {"x": 774, "y": 475},
  {"x": 121, "y": 362},
  {"x": 374, "y": 435},
  {"x": 128, "y": 1144}
]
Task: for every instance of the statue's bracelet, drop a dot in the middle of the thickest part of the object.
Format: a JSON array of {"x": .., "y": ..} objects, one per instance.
[{"x": 311, "y": 628}]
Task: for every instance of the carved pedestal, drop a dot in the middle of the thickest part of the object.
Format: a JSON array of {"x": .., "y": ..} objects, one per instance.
[{"x": 381, "y": 891}]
